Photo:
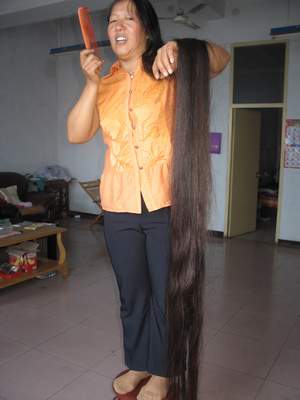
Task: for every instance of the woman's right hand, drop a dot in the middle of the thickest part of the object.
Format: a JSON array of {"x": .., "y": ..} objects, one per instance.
[{"x": 91, "y": 66}]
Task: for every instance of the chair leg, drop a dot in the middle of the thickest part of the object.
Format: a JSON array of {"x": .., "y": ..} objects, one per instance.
[{"x": 96, "y": 220}]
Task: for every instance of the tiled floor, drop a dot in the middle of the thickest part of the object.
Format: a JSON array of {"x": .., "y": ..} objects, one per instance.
[
  {"x": 265, "y": 231},
  {"x": 61, "y": 340}
]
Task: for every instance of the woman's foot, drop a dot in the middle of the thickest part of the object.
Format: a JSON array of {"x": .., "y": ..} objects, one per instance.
[
  {"x": 127, "y": 382},
  {"x": 155, "y": 389}
]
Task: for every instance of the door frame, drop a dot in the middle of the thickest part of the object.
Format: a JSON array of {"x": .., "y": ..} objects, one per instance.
[{"x": 232, "y": 106}]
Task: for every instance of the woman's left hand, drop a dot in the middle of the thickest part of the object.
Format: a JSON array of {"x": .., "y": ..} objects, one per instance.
[{"x": 165, "y": 62}]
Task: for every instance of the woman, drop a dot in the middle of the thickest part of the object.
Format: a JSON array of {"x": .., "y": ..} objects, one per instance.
[{"x": 135, "y": 107}]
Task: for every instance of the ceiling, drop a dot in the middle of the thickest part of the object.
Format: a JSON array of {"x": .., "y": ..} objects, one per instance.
[{"x": 21, "y": 12}]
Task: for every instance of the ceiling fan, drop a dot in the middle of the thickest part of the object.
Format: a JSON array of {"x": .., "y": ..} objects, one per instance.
[{"x": 184, "y": 18}]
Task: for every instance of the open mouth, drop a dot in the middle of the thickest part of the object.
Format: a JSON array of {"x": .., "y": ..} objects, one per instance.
[{"x": 121, "y": 39}]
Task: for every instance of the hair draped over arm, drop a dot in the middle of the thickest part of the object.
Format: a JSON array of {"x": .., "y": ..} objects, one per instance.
[{"x": 190, "y": 188}]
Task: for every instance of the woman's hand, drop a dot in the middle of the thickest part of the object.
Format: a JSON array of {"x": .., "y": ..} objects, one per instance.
[
  {"x": 165, "y": 62},
  {"x": 91, "y": 66}
]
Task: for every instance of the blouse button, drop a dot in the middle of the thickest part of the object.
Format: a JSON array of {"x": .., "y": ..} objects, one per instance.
[
  {"x": 136, "y": 147},
  {"x": 141, "y": 167}
]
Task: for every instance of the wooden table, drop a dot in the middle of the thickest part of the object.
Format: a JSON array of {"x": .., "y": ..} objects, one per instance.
[{"x": 45, "y": 265}]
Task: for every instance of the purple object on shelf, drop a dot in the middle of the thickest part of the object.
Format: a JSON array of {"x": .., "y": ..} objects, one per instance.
[{"x": 215, "y": 142}]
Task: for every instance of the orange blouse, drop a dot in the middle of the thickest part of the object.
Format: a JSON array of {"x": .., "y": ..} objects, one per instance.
[{"x": 136, "y": 114}]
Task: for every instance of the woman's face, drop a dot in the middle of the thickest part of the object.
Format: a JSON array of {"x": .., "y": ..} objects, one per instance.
[{"x": 125, "y": 31}]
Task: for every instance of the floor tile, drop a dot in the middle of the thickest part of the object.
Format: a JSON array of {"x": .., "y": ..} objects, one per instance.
[
  {"x": 286, "y": 370},
  {"x": 240, "y": 354},
  {"x": 264, "y": 301},
  {"x": 208, "y": 335},
  {"x": 83, "y": 346},
  {"x": 33, "y": 327},
  {"x": 76, "y": 307},
  {"x": 259, "y": 326},
  {"x": 11, "y": 302},
  {"x": 110, "y": 366},
  {"x": 112, "y": 321},
  {"x": 273, "y": 391},
  {"x": 293, "y": 341},
  {"x": 35, "y": 376},
  {"x": 10, "y": 348},
  {"x": 89, "y": 386},
  {"x": 218, "y": 314},
  {"x": 221, "y": 383}
]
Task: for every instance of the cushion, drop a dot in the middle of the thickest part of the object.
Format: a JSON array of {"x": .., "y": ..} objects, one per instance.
[{"x": 10, "y": 194}]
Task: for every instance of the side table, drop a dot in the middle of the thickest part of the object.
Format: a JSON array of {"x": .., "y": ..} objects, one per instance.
[{"x": 44, "y": 264}]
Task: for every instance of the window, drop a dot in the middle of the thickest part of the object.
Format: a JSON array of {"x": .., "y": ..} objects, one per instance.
[{"x": 259, "y": 74}]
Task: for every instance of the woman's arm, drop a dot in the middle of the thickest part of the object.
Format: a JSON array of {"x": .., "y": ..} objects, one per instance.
[
  {"x": 218, "y": 58},
  {"x": 166, "y": 60},
  {"x": 83, "y": 120}
]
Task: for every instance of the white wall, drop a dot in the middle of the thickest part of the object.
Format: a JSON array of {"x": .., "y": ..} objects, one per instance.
[
  {"x": 28, "y": 117},
  {"x": 290, "y": 218}
]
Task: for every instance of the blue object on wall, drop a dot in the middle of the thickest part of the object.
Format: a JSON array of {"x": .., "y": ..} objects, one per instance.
[
  {"x": 76, "y": 47},
  {"x": 284, "y": 30}
]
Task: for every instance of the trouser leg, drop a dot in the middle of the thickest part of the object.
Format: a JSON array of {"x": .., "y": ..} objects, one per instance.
[
  {"x": 127, "y": 249},
  {"x": 157, "y": 233},
  {"x": 138, "y": 245}
]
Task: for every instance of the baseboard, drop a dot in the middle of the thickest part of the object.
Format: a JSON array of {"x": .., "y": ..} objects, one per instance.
[
  {"x": 82, "y": 214},
  {"x": 289, "y": 243},
  {"x": 216, "y": 234}
]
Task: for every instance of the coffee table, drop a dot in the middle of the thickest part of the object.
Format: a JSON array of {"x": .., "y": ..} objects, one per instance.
[{"x": 45, "y": 265}]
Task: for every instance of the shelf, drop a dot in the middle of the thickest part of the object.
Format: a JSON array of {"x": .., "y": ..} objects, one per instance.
[
  {"x": 31, "y": 235},
  {"x": 44, "y": 266}
]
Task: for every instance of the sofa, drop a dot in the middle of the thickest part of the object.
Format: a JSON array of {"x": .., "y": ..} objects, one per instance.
[{"x": 42, "y": 202}]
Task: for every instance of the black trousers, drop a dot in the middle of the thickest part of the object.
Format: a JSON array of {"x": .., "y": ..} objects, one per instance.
[{"x": 138, "y": 246}]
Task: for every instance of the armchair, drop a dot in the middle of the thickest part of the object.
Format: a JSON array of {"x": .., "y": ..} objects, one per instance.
[{"x": 42, "y": 202}]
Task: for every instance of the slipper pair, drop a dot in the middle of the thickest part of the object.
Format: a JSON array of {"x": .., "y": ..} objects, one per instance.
[{"x": 133, "y": 394}]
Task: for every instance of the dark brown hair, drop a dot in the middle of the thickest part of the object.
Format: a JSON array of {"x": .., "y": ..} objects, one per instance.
[
  {"x": 150, "y": 23},
  {"x": 190, "y": 187}
]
